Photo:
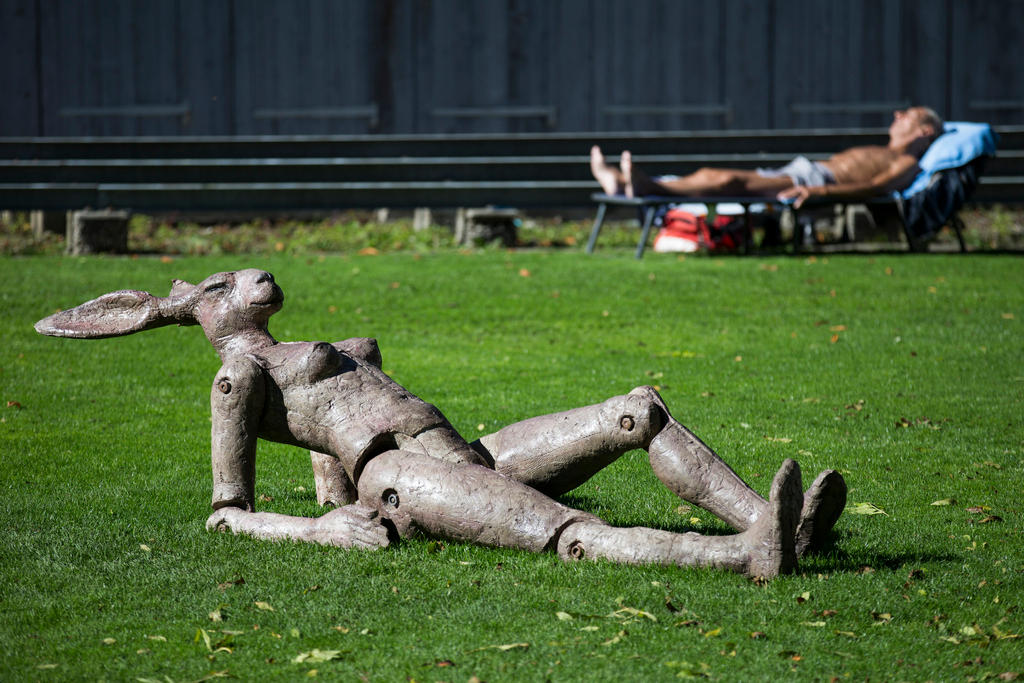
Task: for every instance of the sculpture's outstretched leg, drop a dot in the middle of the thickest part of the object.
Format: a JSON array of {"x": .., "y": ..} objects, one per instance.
[
  {"x": 555, "y": 453},
  {"x": 766, "y": 549},
  {"x": 475, "y": 504}
]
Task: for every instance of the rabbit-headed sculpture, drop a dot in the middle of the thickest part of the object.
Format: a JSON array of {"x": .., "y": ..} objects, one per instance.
[{"x": 394, "y": 464}]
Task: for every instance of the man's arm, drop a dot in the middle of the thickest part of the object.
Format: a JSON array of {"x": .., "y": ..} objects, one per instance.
[{"x": 900, "y": 173}]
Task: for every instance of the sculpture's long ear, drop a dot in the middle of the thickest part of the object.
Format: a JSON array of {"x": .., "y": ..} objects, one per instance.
[
  {"x": 110, "y": 315},
  {"x": 180, "y": 305}
]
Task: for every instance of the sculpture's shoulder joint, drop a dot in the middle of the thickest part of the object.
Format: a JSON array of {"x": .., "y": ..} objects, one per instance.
[
  {"x": 238, "y": 382},
  {"x": 363, "y": 348}
]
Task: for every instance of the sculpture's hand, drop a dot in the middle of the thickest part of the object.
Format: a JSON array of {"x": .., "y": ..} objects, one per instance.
[{"x": 351, "y": 526}]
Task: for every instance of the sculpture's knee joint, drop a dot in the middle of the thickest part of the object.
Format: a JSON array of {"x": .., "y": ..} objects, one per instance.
[
  {"x": 571, "y": 546},
  {"x": 640, "y": 414}
]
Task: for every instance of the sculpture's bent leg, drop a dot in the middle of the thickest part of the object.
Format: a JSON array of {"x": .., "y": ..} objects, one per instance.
[
  {"x": 555, "y": 453},
  {"x": 687, "y": 466},
  {"x": 475, "y": 504},
  {"x": 558, "y": 452},
  {"x": 766, "y": 549}
]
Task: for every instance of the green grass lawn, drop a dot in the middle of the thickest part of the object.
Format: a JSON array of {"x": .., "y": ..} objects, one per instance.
[{"x": 906, "y": 373}]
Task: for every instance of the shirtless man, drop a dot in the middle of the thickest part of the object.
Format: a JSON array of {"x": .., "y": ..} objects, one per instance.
[{"x": 856, "y": 172}]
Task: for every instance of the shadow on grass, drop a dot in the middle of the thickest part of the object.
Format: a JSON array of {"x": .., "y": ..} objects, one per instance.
[{"x": 831, "y": 558}]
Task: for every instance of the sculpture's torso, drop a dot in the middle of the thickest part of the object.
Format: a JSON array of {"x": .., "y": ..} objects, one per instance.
[{"x": 334, "y": 399}]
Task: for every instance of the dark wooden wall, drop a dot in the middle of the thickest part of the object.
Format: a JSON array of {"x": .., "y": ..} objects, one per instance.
[{"x": 253, "y": 67}]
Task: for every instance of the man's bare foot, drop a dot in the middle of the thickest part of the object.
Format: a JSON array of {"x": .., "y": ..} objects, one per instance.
[
  {"x": 606, "y": 176},
  {"x": 626, "y": 165}
]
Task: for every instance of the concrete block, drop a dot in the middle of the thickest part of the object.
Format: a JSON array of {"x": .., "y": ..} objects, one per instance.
[
  {"x": 475, "y": 227},
  {"x": 422, "y": 218},
  {"x": 90, "y": 232}
]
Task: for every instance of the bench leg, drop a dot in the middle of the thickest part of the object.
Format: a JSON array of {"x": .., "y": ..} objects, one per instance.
[
  {"x": 648, "y": 221},
  {"x": 602, "y": 209}
]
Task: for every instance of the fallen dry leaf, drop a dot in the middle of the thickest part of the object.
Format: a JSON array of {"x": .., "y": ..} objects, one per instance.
[
  {"x": 866, "y": 509},
  {"x": 263, "y": 606},
  {"x": 315, "y": 656},
  {"x": 503, "y": 648},
  {"x": 617, "y": 639},
  {"x": 228, "y": 584}
]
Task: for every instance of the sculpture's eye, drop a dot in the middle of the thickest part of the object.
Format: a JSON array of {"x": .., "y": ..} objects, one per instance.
[{"x": 216, "y": 287}]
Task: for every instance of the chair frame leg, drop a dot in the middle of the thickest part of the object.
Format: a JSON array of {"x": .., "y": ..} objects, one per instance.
[
  {"x": 602, "y": 209},
  {"x": 958, "y": 226},
  {"x": 649, "y": 212}
]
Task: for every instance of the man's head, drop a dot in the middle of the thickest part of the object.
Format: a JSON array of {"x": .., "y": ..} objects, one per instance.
[{"x": 914, "y": 123}]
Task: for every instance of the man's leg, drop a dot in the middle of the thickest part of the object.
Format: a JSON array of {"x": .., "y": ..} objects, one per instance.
[
  {"x": 608, "y": 177},
  {"x": 703, "y": 182},
  {"x": 475, "y": 504},
  {"x": 556, "y": 453}
]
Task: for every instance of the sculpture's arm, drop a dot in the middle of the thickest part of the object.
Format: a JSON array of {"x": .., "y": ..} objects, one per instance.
[
  {"x": 236, "y": 402},
  {"x": 364, "y": 348},
  {"x": 352, "y": 526}
]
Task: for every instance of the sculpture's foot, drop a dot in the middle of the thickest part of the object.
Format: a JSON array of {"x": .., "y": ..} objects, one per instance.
[
  {"x": 823, "y": 504},
  {"x": 772, "y": 538}
]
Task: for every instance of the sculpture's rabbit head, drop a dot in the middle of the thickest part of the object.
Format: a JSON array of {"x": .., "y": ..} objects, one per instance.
[{"x": 230, "y": 307}]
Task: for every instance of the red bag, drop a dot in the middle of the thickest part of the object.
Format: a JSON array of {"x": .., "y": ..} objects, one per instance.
[{"x": 688, "y": 232}]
